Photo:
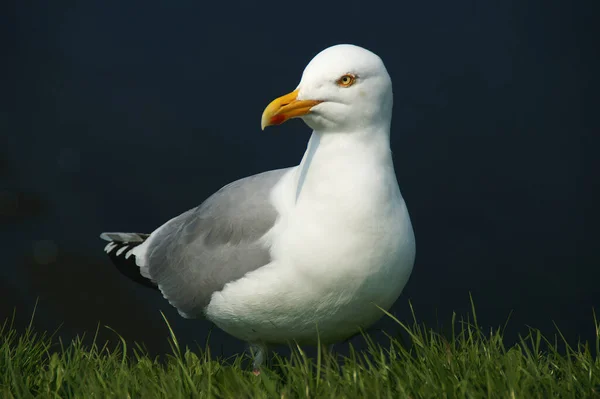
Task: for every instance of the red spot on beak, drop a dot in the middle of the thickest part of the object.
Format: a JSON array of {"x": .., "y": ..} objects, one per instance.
[{"x": 277, "y": 119}]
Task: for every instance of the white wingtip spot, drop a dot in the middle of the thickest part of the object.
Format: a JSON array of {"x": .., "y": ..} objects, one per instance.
[
  {"x": 109, "y": 247},
  {"x": 122, "y": 249},
  {"x": 129, "y": 253}
]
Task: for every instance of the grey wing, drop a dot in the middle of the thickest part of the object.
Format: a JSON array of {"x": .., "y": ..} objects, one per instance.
[{"x": 198, "y": 252}]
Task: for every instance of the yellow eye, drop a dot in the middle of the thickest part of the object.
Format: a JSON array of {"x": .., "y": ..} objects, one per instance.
[{"x": 346, "y": 80}]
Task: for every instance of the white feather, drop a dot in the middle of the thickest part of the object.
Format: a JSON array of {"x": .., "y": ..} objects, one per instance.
[
  {"x": 129, "y": 253},
  {"x": 109, "y": 247}
]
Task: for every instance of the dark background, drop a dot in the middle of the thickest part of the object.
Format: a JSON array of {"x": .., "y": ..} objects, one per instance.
[{"x": 120, "y": 115}]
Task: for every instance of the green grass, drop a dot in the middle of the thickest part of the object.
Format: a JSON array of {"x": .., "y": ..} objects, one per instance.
[{"x": 468, "y": 363}]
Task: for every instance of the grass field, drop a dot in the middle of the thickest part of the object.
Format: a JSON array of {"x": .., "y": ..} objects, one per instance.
[{"x": 468, "y": 363}]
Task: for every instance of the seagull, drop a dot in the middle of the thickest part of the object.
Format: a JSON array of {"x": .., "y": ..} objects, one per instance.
[{"x": 307, "y": 254}]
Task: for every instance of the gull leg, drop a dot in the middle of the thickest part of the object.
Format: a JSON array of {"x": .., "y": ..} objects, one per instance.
[{"x": 259, "y": 353}]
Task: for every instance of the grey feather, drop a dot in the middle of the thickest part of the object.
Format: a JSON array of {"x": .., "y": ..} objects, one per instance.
[{"x": 200, "y": 251}]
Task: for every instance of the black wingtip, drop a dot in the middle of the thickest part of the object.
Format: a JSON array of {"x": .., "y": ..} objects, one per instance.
[{"x": 120, "y": 253}]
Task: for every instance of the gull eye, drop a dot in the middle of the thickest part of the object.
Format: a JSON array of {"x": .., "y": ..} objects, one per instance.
[{"x": 346, "y": 80}]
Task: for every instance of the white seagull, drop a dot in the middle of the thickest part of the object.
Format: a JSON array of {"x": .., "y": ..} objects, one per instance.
[{"x": 304, "y": 254}]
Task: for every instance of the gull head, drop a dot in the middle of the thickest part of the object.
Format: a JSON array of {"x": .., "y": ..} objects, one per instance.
[{"x": 344, "y": 88}]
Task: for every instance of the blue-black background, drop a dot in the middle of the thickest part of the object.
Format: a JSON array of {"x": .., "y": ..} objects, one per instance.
[{"x": 120, "y": 115}]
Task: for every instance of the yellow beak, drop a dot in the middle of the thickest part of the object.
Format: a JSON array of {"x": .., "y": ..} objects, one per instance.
[{"x": 285, "y": 107}]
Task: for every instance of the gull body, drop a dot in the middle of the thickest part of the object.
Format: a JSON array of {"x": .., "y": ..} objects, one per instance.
[
  {"x": 336, "y": 253},
  {"x": 306, "y": 254}
]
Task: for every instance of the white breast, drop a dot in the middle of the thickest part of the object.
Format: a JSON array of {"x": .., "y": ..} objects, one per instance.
[{"x": 342, "y": 246}]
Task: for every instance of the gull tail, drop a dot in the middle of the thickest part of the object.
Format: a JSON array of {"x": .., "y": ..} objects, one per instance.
[{"x": 120, "y": 251}]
